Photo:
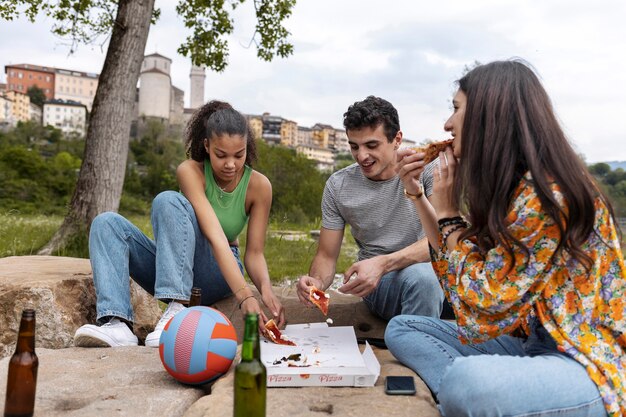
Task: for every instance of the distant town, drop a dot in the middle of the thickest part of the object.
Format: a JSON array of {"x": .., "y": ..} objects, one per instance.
[{"x": 69, "y": 96}]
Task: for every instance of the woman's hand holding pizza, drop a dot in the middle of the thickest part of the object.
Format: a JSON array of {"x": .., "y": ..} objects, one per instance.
[
  {"x": 443, "y": 186},
  {"x": 273, "y": 304}
]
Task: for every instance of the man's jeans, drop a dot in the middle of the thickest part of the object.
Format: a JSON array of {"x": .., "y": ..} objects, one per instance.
[
  {"x": 179, "y": 258},
  {"x": 506, "y": 376},
  {"x": 413, "y": 290}
]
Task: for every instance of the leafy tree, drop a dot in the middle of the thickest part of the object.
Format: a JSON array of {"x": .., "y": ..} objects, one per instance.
[
  {"x": 127, "y": 22},
  {"x": 37, "y": 96},
  {"x": 600, "y": 169},
  {"x": 297, "y": 185}
]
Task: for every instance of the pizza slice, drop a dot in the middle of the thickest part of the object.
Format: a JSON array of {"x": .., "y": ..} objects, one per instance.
[
  {"x": 432, "y": 149},
  {"x": 273, "y": 334},
  {"x": 320, "y": 299}
]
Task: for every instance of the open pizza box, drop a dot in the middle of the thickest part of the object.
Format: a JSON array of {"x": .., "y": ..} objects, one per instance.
[{"x": 323, "y": 356}]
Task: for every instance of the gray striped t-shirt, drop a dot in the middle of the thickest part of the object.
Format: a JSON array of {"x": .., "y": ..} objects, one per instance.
[{"x": 381, "y": 218}]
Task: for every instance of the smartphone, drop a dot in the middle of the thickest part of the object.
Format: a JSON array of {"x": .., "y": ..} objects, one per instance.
[{"x": 400, "y": 385}]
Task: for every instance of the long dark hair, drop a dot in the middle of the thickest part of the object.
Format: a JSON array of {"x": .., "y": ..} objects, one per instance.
[
  {"x": 509, "y": 129},
  {"x": 217, "y": 118}
]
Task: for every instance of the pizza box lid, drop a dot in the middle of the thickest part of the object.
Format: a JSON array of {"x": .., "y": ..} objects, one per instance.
[{"x": 323, "y": 356}]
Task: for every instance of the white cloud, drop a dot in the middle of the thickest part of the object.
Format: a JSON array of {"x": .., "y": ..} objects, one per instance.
[{"x": 407, "y": 51}]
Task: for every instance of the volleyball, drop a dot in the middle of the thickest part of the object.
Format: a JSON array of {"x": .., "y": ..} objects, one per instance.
[{"x": 198, "y": 345}]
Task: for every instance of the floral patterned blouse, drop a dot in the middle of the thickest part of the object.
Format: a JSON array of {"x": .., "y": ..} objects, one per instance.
[{"x": 585, "y": 312}]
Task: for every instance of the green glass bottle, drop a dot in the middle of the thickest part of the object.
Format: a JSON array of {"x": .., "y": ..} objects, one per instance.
[{"x": 250, "y": 374}]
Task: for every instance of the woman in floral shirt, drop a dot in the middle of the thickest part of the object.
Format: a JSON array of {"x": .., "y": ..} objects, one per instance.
[{"x": 536, "y": 279}]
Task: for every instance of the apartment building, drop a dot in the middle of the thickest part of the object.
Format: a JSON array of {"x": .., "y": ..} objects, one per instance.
[
  {"x": 21, "y": 77},
  {"x": 36, "y": 113},
  {"x": 75, "y": 86},
  {"x": 6, "y": 112},
  {"x": 21, "y": 106},
  {"x": 69, "y": 116},
  {"x": 256, "y": 125},
  {"x": 288, "y": 133},
  {"x": 341, "y": 141},
  {"x": 304, "y": 136},
  {"x": 56, "y": 83},
  {"x": 271, "y": 128},
  {"x": 324, "y": 157}
]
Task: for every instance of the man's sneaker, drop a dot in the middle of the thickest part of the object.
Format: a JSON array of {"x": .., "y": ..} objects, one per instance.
[
  {"x": 152, "y": 340},
  {"x": 112, "y": 334}
]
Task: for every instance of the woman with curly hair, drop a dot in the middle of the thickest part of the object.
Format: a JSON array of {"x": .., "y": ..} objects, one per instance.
[
  {"x": 195, "y": 235},
  {"x": 535, "y": 276}
]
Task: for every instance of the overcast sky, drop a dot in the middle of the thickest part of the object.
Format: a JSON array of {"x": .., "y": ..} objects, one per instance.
[{"x": 409, "y": 52}]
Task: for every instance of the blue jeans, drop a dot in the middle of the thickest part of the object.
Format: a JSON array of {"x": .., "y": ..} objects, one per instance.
[
  {"x": 506, "y": 376},
  {"x": 178, "y": 258},
  {"x": 413, "y": 290}
]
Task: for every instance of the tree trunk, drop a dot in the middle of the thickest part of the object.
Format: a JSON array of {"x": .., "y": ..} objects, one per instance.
[{"x": 101, "y": 177}]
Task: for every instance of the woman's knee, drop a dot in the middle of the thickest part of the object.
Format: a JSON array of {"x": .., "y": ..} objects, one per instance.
[
  {"x": 104, "y": 222},
  {"x": 168, "y": 203},
  {"x": 469, "y": 388}
]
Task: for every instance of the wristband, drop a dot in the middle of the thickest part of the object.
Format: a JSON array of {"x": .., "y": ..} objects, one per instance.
[{"x": 241, "y": 303}]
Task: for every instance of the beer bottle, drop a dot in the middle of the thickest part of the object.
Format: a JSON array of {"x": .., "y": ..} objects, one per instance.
[
  {"x": 250, "y": 374},
  {"x": 22, "y": 380},
  {"x": 196, "y": 297}
]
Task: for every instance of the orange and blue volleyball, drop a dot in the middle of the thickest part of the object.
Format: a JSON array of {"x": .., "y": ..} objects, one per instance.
[{"x": 198, "y": 345}]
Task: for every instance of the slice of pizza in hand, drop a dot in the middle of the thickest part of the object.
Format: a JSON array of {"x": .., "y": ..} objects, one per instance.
[
  {"x": 320, "y": 299},
  {"x": 273, "y": 334},
  {"x": 432, "y": 149}
]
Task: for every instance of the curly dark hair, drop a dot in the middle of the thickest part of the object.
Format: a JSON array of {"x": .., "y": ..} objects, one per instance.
[
  {"x": 217, "y": 118},
  {"x": 372, "y": 112}
]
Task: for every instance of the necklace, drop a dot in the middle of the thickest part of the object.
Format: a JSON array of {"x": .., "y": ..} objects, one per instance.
[{"x": 223, "y": 191}]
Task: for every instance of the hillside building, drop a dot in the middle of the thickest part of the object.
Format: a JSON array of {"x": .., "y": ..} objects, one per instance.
[
  {"x": 158, "y": 98},
  {"x": 69, "y": 116}
]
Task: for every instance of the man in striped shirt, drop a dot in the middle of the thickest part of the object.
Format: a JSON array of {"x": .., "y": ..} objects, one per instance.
[{"x": 393, "y": 273}]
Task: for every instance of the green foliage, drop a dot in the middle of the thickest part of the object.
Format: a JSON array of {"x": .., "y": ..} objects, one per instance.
[
  {"x": 211, "y": 23},
  {"x": 613, "y": 184},
  {"x": 37, "y": 169},
  {"x": 152, "y": 161},
  {"x": 296, "y": 184},
  {"x": 36, "y": 95},
  {"x": 81, "y": 21}
]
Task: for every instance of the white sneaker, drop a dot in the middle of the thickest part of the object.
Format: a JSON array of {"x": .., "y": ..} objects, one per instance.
[
  {"x": 152, "y": 340},
  {"x": 112, "y": 334}
]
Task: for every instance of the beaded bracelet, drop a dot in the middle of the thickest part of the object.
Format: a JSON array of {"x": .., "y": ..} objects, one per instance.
[
  {"x": 241, "y": 303},
  {"x": 446, "y": 235},
  {"x": 450, "y": 221}
]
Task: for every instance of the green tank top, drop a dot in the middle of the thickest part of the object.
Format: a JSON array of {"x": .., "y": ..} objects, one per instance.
[{"x": 230, "y": 208}]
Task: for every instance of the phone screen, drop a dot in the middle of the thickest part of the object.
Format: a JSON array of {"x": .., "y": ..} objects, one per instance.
[{"x": 402, "y": 385}]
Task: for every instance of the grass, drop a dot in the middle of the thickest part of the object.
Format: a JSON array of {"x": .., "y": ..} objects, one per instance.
[{"x": 22, "y": 234}]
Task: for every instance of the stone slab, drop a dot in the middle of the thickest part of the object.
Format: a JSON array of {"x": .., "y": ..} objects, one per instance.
[
  {"x": 325, "y": 401},
  {"x": 124, "y": 382},
  {"x": 61, "y": 291}
]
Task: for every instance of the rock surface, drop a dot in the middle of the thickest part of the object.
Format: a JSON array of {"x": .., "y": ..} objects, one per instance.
[
  {"x": 61, "y": 290},
  {"x": 324, "y": 401},
  {"x": 132, "y": 382},
  {"x": 128, "y": 381}
]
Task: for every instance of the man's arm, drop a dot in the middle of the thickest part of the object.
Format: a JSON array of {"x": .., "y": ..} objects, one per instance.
[{"x": 322, "y": 270}]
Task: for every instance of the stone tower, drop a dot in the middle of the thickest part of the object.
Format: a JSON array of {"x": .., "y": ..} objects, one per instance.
[{"x": 196, "y": 80}]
